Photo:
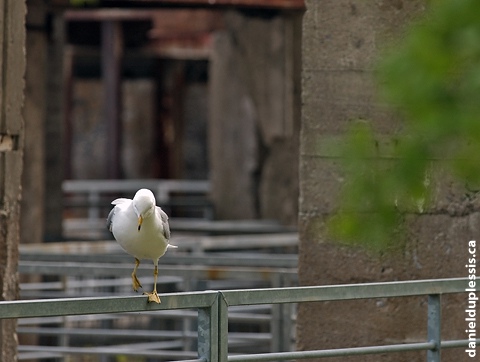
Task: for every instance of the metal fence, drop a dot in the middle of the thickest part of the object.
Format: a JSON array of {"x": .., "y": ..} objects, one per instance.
[
  {"x": 101, "y": 269},
  {"x": 213, "y": 314}
]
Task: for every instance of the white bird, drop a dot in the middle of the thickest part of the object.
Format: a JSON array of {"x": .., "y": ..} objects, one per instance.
[{"x": 142, "y": 230}]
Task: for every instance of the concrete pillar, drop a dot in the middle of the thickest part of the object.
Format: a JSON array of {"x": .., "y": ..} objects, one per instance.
[
  {"x": 12, "y": 69},
  {"x": 341, "y": 41}
]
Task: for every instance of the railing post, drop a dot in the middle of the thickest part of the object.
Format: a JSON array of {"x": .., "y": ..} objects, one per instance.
[
  {"x": 276, "y": 322},
  {"x": 434, "y": 325},
  {"x": 208, "y": 333},
  {"x": 222, "y": 328}
]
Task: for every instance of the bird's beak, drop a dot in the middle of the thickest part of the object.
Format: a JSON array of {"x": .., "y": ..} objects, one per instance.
[{"x": 140, "y": 221}]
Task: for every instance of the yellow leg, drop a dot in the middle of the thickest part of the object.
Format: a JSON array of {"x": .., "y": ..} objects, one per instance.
[
  {"x": 135, "y": 282},
  {"x": 153, "y": 296}
]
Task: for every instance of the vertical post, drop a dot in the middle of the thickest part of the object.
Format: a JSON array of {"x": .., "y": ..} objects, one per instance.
[
  {"x": 286, "y": 333},
  {"x": 208, "y": 333},
  {"x": 434, "y": 327},
  {"x": 276, "y": 328},
  {"x": 276, "y": 322},
  {"x": 222, "y": 328},
  {"x": 112, "y": 49},
  {"x": 12, "y": 70}
]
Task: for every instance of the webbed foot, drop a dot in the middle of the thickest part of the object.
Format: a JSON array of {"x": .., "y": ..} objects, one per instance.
[{"x": 153, "y": 297}]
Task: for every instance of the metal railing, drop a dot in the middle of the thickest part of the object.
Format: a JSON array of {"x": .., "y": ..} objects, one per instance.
[
  {"x": 94, "y": 269},
  {"x": 195, "y": 193},
  {"x": 213, "y": 314}
]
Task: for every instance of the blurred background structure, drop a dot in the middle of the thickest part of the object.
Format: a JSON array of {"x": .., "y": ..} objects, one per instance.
[
  {"x": 198, "y": 101},
  {"x": 177, "y": 90},
  {"x": 239, "y": 98}
]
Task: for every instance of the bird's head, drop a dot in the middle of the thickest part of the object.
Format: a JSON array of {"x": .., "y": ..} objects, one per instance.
[{"x": 143, "y": 204}]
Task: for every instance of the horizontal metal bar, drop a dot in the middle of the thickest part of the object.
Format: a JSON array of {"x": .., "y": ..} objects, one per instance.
[
  {"x": 71, "y": 306},
  {"x": 298, "y": 355},
  {"x": 344, "y": 292},
  {"x": 97, "y": 332},
  {"x": 25, "y": 356},
  {"x": 138, "y": 333},
  {"x": 82, "y": 306},
  {"x": 333, "y": 352},
  {"x": 109, "y": 351},
  {"x": 110, "y": 252},
  {"x": 111, "y": 186},
  {"x": 102, "y": 269},
  {"x": 458, "y": 343},
  {"x": 88, "y": 283},
  {"x": 170, "y": 314}
]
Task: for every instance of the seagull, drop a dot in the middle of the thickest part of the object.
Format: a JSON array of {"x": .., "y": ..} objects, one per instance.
[{"x": 142, "y": 230}]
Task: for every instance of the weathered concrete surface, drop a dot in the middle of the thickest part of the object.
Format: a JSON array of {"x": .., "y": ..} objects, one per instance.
[
  {"x": 12, "y": 70},
  {"x": 54, "y": 129},
  {"x": 32, "y": 219},
  {"x": 341, "y": 40},
  {"x": 88, "y": 157},
  {"x": 437, "y": 249},
  {"x": 89, "y": 132},
  {"x": 254, "y": 122},
  {"x": 138, "y": 125}
]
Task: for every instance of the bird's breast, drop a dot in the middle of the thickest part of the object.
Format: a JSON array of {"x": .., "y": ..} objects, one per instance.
[{"x": 146, "y": 243}]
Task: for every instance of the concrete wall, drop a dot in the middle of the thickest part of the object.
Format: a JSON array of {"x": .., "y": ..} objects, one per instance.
[
  {"x": 254, "y": 119},
  {"x": 341, "y": 40}
]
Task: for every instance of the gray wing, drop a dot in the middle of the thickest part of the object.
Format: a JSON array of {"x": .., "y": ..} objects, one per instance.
[
  {"x": 111, "y": 214},
  {"x": 110, "y": 218},
  {"x": 165, "y": 225},
  {"x": 120, "y": 201}
]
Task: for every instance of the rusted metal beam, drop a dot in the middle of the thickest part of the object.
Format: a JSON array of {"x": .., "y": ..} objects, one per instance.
[
  {"x": 134, "y": 14},
  {"x": 108, "y": 14},
  {"x": 265, "y": 4}
]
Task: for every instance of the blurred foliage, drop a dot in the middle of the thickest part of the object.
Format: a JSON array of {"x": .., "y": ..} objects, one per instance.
[{"x": 432, "y": 77}]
